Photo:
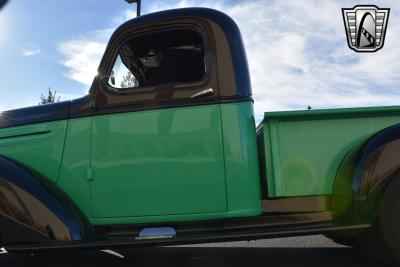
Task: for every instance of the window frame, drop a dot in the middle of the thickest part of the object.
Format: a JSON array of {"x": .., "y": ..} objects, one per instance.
[
  {"x": 175, "y": 85},
  {"x": 106, "y": 101}
]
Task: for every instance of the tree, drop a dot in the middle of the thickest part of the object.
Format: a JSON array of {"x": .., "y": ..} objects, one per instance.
[
  {"x": 50, "y": 98},
  {"x": 129, "y": 81}
]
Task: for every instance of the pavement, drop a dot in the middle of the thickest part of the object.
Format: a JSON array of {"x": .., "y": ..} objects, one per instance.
[{"x": 308, "y": 251}]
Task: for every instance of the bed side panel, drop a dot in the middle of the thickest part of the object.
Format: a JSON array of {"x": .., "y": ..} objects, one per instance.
[{"x": 304, "y": 149}]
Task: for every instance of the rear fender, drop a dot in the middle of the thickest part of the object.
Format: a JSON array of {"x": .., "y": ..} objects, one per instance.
[{"x": 364, "y": 173}]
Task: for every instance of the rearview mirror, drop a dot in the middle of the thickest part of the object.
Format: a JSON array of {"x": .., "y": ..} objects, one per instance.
[{"x": 110, "y": 80}]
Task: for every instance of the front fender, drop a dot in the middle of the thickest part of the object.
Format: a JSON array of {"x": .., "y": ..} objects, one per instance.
[{"x": 34, "y": 212}]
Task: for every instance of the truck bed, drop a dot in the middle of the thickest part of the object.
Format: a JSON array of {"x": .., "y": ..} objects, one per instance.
[{"x": 302, "y": 150}]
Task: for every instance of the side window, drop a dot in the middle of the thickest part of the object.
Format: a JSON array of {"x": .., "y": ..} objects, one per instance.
[{"x": 168, "y": 57}]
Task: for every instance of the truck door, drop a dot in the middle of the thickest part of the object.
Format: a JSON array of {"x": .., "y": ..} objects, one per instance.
[{"x": 156, "y": 146}]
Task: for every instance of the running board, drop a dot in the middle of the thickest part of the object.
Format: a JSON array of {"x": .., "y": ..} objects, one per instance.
[{"x": 200, "y": 232}]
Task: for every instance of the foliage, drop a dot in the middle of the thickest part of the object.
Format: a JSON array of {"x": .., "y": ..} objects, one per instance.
[
  {"x": 129, "y": 81},
  {"x": 50, "y": 98}
]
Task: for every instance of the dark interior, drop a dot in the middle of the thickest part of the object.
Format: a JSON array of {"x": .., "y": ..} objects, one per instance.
[{"x": 173, "y": 56}]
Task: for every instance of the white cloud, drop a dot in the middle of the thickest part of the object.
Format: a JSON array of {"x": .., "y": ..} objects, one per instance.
[
  {"x": 297, "y": 53},
  {"x": 30, "y": 52},
  {"x": 82, "y": 55},
  {"x": 124, "y": 16}
]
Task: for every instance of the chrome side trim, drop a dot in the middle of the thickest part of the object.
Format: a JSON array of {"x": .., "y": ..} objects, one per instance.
[{"x": 156, "y": 233}]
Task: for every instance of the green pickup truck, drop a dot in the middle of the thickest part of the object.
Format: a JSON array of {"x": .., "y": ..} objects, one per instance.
[{"x": 164, "y": 150}]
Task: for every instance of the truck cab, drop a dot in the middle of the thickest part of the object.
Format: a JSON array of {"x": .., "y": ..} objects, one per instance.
[{"x": 171, "y": 128}]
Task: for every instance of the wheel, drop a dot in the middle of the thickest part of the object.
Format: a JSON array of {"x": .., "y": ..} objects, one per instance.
[
  {"x": 389, "y": 220},
  {"x": 382, "y": 241}
]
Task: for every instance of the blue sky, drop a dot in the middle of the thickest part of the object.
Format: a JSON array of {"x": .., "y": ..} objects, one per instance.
[
  {"x": 31, "y": 60},
  {"x": 297, "y": 50}
]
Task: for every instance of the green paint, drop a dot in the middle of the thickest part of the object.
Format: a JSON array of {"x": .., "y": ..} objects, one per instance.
[
  {"x": 241, "y": 159},
  {"x": 158, "y": 163},
  {"x": 192, "y": 163},
  {"x": 303, "y": 149},
  {"x": 76, "y": 163},
  {"x": 164, "y": 165},
  {"x": 38, "y": 147},
  {"x": 177, "y": 164}
]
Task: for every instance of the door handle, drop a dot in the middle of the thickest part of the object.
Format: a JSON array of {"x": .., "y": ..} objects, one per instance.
[{"x": 206, "y": 92}]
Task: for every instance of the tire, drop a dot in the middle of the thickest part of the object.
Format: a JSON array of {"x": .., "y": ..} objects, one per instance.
[
  {"x": 382, "y": 242},
  {"x": 389, "y": 222}
]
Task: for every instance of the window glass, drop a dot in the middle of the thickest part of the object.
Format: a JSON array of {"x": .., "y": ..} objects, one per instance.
[
  {"x": 174, "y": 56},
  {"x": 121, "y": 77}
]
